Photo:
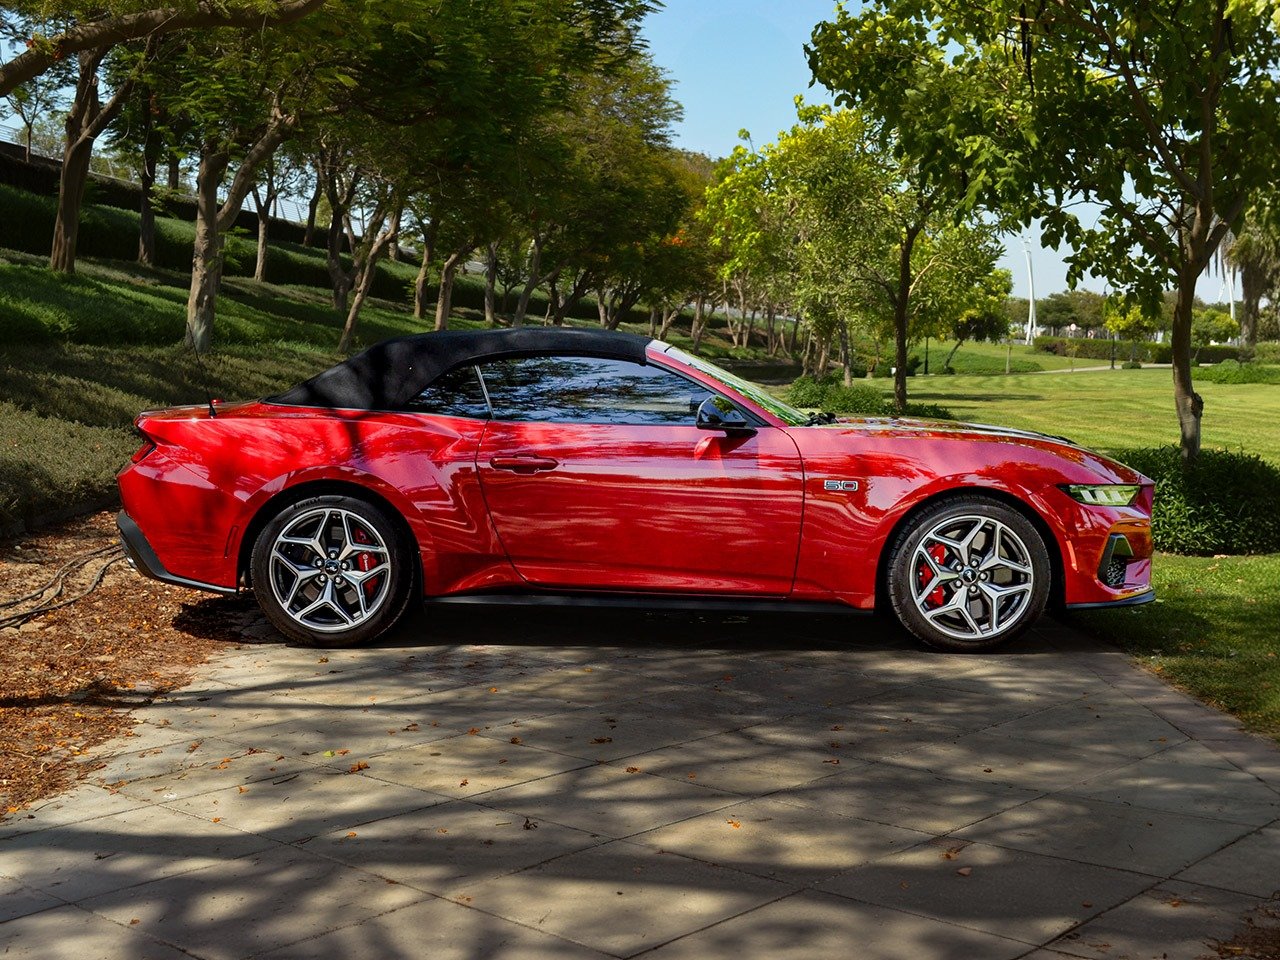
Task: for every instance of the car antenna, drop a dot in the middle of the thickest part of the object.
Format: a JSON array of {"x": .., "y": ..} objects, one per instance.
[{"x": 204, "y": 380}]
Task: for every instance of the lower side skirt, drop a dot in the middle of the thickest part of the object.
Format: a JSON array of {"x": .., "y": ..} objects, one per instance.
[{"x": 651, "y": 602}]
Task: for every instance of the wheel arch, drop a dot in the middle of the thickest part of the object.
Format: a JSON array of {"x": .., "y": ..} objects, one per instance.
[
  {"x": 1057, "y": 573},
  {"x": 316, "y": 488}
]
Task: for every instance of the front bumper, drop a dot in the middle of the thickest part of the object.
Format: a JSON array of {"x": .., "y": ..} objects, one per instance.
[
  {"x": 143, "y": 559},
  {"x": 1134, "y": 601}
]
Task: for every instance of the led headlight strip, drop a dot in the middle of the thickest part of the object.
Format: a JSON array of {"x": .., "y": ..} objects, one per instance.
[{"x": 1103, "y": 494}]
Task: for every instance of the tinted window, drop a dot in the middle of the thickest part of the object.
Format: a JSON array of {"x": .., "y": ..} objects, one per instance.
[
  {"x": 589, "y": 390},
  {"x": 456, "y": 394}
]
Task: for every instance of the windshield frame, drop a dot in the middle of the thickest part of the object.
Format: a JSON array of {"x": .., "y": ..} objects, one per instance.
[{"x": 753, "y": 392}]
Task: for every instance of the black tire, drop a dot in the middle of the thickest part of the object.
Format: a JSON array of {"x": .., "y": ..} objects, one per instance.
[
  {"x": 956, "y": 575},
  {"x": 356, "y": 538}
]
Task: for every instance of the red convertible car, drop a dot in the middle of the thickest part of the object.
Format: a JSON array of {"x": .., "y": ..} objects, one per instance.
[{"x": 544, "y": 465}]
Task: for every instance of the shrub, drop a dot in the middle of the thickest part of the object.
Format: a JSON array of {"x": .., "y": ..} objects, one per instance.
[
  {"x": 1267, "y": 352},
  {"x": 830, "y": 395},
  {"x": 1223, "y": 502},
  {"x": 1145, "y": 351},
  {"x": 1131, "y": 365},
  {"x": 1232, "y": 371}
]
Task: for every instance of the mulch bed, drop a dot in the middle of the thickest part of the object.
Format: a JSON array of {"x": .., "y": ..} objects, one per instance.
[{"x": 68, "y": 677}]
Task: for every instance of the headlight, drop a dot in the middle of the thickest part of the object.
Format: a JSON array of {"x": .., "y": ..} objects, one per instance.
[{"x": 1103, "y": 494}]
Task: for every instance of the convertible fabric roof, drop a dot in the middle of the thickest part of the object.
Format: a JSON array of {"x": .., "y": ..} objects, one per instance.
[{"x": 390, "y": 373}]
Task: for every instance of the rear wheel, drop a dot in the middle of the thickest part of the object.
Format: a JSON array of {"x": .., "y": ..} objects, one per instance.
[
  {"x": 332, "y": 571},
  {"x": 969, "y": 574}
]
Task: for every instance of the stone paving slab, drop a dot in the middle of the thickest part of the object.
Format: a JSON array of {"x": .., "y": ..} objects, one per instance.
[{"x": 690, "y": 786}]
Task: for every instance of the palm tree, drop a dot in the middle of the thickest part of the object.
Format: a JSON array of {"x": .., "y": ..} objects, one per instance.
[{"x": 1255, "y": 251}]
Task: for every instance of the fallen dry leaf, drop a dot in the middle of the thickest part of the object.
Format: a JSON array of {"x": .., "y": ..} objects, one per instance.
[
  {"x": 358, "y": 766},
  {"x": 965, "y": 871},
  {"x": 409, "y": 728},
  {"x": 529, "y": 824},
  {"x": 736, "y": 824},
  {"x": 463, "y": 783},
  {"x": 603, "y": 740},
  {"x": 633, "y": 769},
  {"x": 470, "y": 733},
  {"x": 350, "y": 834},
  {"x": 243, "y": 789},
  {"x": 516, "y": 740}
]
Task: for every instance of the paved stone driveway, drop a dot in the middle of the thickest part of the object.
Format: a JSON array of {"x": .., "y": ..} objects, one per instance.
[{"x": 573, "y": 785}]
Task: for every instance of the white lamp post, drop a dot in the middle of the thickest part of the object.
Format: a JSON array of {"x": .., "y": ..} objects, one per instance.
[{"x": 1031, "y": 289}]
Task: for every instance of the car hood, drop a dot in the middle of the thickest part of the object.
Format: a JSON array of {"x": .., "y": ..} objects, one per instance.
[{"x": 894, "y": 430}]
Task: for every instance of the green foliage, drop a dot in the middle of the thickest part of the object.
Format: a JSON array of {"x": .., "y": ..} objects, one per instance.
[
  {"x": 1221, "y": 502},
  {"x": 1084, "y": 308},
  {"x": 1131, "y": 365},
  {"x": 1145, "y": 351},
  {"x": 1232, "y": 371},
  {"x": 1212, "y": 326},
  {"x": 1267, "y": 352},
  {"x": 830, "y": 395}
]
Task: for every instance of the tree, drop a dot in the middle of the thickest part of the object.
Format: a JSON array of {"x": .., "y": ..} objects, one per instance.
[
  {"x": 95, "y": 27},
  {"x": 1081, "y": 307},
  {"x": 1163, "y": 112},
  {"x": 41, "y": 95},
  {"x": 985, "y": 317},
  {"x": 1210, "y": 326},
  {"x": 1254, "y": 250}
]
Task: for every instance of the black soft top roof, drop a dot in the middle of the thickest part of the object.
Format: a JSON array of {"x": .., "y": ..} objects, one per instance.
[{"x": 390, "y": 373}]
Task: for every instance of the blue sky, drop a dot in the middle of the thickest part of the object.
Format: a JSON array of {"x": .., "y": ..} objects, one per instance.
[{"x": 738, "y": 64}]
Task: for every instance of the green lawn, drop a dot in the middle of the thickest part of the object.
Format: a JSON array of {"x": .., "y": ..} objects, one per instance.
[
  {"x": 1111, "y": 409},
  {"x": 1213, "y": 630}
]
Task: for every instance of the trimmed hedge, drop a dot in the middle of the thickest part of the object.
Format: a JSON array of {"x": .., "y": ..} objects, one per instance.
[
  {"x": 1146, "y": 351},
  {"x": 830, "y": 395},
  {"x": 1222, "y": 503},
  {"x": 1232, "y": 371}
]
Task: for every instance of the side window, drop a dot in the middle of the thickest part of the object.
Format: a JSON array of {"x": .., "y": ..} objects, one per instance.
[
  {"x": 456, "y": 394},
  {"x": 590, "y": 390}
]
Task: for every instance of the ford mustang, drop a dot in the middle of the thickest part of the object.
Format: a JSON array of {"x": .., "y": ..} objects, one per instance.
[{"x": 546, "y": 465}]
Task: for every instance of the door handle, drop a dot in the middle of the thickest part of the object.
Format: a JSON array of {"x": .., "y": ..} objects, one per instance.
[{"x": 523, "y": 464}]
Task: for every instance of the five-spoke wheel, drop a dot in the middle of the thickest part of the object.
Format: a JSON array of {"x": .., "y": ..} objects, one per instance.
[
  {"x": 969, "y": 574},
  {"x": 331, "y": 571}
]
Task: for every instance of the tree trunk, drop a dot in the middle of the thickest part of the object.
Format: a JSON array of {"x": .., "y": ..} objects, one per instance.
[
  {"x": 569, "y": 302},
  {"x": 175, "y": 172},
  {"x": 491, "y": 284},
  {"x": 846, "y": 355},
  {"x": 1188, "y": 403},
  {"x": 309, "y": 236},
  {"x": 668, "y": 320},
  {"x": 444, "y": 302},
  {"x": 263, "y": 205},
  {"x": 206, "y": 261},
  {"x": 700, "y": 321},
  {"x": 1253, "y": 287},
  {"x": 372, "y": 247},
  {"x": 824, "y": 358},
  {"x": 535, "y": 265},
  {"x": 553, "y": 298},
  {"x": 66, "y": 228},
  {"x": 946, "y": 364},
  {"x": 147, "y": 176},
  {"x": 653, "y": 322},
  {"x": 901, "y": 314},
  {"x": 421, "y": 285}
]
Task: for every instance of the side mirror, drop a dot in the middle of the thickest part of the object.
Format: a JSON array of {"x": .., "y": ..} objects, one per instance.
[{"x": 717, "y": 413}]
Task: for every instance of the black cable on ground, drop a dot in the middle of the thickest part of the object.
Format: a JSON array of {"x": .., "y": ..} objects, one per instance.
[
  {"x": 17, "y": 619},
  {"x": 56, "y": 579}
]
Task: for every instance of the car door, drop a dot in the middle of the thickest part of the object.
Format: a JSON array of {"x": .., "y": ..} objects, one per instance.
[{"x": 596, "y": 477}]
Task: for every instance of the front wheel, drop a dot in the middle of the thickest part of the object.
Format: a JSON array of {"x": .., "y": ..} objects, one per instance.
[
  {"x": 969, "y": 574},
  {"x": 332, "y": 571}
]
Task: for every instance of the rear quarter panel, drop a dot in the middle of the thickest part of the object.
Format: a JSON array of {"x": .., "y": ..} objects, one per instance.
[{"x": 197, "y": 495}]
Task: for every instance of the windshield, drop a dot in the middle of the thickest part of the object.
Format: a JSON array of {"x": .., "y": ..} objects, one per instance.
[{"x": 753, "y": 392}]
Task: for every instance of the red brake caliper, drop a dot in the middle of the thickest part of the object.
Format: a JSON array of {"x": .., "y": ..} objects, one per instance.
[
  {"x": 365, "y": 562},
  {"x": 936, "y": 596}
]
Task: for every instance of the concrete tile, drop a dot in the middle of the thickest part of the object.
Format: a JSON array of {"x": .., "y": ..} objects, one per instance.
[
  {"x": 799, "y": 688},
  {"x": 173, "y": 758},
  {"x": 993, "y": 758},
  {"x": 739, "y": 763},
  {"x": 817, "y": 926},
  {"x": 466, "y": 766},
  {"x": 583, "y": 686},
  {"x": 247, "y": 906},
  {"x": 1250, "y": 865},
  {"x": 111, "y": 853},
  {"x": 1166, "y": 781},
  {"x": 1154, "y": 842},
  {"x": 18, "y": 900},
  {"x": 850, "y": 734},
  {"x": 81, "y": 803},
  {"x": 609, "y": 733},
  {"x": 1007, "y": 892},
  {"x": 298, "y": 806},
  {"x": 796, "y": 843},
  {"x": 439, "y": 930},
  {"x": 1081, "y": 724},
  {"x": 1176, "y": 920},
  {"x": 223, "y": 764},
  {"x": 607, "y": 801},
  {"x": 906, "y": 797},
  {"x": 955, "y": 708},
  {"x": 454, "y": 843},
  {"x": 473, "y": 707},
  {"x": 619, "y": 898},
  {"x": 69, "y": 933},
  {"x": 361, "y": 733}
]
